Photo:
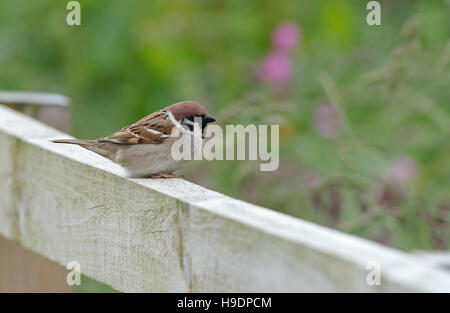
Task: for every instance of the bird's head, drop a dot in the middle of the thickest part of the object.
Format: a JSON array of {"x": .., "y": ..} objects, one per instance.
[{"x": 189, "y": 112}]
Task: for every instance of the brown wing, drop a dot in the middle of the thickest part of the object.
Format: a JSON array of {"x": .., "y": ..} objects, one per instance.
[{"x": 152, "y": 129}]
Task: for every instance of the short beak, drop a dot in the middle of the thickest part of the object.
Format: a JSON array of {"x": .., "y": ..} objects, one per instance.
[{"x": 208, "y": 119}]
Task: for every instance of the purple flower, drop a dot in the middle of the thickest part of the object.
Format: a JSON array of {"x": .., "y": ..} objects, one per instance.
[
  {"x": 392, "y": 192},
  {"x": 277, "y": 66},
  {"x": 402, "y": 168},
  {"x": 326, "y": 121},
  {"x": 277, "y": 69},
  {"x": 285, "y": 36}
]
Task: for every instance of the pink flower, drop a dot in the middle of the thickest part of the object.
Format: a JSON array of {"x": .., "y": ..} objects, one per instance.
[
  {"x": 277, "y": 66},
  {"x": 326, "y": 121},
  {"x": 392, "y": 192},
  {"x": 285, "y": 36},
  {"x": 277, "y": 69},
  {"x": 402, "y": 168}
]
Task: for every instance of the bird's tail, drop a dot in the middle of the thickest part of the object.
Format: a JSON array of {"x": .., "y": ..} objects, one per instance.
[
  {"x": 104, "y": 149},
  {"x": 76, "y": 142}
]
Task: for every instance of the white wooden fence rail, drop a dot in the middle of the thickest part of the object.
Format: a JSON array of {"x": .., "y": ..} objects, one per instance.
[{"x": 66, "y": 203}]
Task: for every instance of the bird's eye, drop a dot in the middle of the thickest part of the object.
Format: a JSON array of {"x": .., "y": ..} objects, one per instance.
[
  {"x": 199, "y": 119},
  {"x": 189, "y": 122}
]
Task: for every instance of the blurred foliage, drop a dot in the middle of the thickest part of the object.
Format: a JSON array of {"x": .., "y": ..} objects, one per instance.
[
  {"x": 88, "y": 285},
  {"x": 384, "y": 88}
]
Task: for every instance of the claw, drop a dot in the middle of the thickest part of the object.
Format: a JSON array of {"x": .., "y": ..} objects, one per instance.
[{"x": 165, "y": 175}]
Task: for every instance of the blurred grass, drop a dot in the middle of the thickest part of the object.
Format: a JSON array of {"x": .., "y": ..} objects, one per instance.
[
  {"x": 388, "y": 86},
  {"x": 89, "y": 285}
]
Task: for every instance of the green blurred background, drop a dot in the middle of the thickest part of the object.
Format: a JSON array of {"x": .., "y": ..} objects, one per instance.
[{"x": 364, "y": 111}]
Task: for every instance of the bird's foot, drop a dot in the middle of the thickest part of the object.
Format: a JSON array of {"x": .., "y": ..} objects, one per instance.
[{"x": 165, "y": 175}]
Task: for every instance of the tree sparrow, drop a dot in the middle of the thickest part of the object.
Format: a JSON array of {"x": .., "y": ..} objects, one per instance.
[{"x": 143, "y": 149}]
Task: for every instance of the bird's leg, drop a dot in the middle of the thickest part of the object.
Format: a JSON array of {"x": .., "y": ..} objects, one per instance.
[{"x": 166, "y": 175}]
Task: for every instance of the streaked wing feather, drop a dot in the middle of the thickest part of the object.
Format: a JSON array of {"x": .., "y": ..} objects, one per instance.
[{"x": 152, "y": 129}]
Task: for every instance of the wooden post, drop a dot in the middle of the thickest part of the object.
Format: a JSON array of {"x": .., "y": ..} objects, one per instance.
[
  {"x": 20, "y": 269},
  {"x": 51, "y": 109},
  {"x": 24, "y": 271}
]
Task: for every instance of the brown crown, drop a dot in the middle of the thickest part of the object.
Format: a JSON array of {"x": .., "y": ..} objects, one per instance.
[{"x": 184, "y": 109}]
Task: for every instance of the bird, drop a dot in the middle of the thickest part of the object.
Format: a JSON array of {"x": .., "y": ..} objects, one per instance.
[{"x": 143, "y": 149}]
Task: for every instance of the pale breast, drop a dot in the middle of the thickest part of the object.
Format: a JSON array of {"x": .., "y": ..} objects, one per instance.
[{"x": 145, "y": 159}]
